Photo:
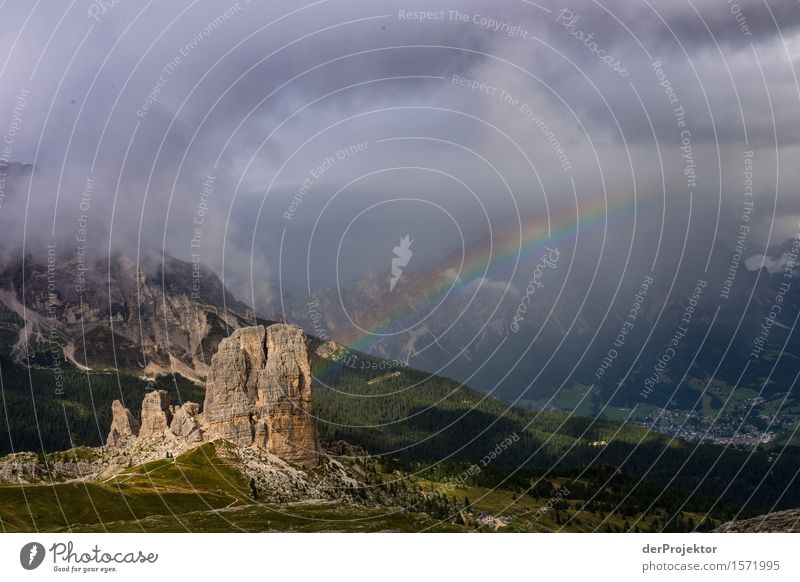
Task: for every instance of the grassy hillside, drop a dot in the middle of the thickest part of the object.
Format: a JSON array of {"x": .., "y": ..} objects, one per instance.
[
  {"x": 414, "y": 416},
  {"x": 202, "y": 491},
  {"x": 409, "y": 417},
  {"x": 198, "y": 480},
  {"x": 197, "y": 491}
]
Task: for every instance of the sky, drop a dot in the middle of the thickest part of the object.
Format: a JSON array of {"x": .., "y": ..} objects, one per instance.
[{"x": 294, "y": 144}]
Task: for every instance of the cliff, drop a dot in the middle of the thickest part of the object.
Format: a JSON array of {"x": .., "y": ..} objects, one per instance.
[{"x": 258, "y": 394}]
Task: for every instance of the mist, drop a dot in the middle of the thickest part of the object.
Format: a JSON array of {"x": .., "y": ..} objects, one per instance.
[{"x": 295, "y": 144}]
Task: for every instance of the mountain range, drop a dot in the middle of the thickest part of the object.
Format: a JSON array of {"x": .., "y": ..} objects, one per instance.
[
  {"x": 721, "y": 381},
  {"x": 133, "y": 330},
  {"x": 682, "y": 353}
]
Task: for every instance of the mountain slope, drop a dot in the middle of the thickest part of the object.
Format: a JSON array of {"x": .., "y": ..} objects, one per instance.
[
  {"x": 415, "y": 422},
  {"x": 159, "y": 317},
  {"x": 703, "y": 394}
]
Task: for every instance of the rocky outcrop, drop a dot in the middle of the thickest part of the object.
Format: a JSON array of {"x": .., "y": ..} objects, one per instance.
[
  {"x": 171, "y": 328},
  {"x": 24, "y": 468},
  {"x": 176, "y": 428},
  {"x": 230, "y": 388},
  {"x": 156, "y": 414},
  {"x": 124, "y": 427},
  {"x": 186, "y": 424},
  {"x": 289, "y": 430},
  {"x": 331, "y": 350},
  {"x": 778, "y": 522},
  {"x": 259, "y": 393}
]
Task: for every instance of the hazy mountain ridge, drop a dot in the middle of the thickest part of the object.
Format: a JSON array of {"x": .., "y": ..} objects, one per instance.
[
  {"x": 459, "y": 334},
  {"x": 107, "y": 314},
  {"x": 169, "y": 315},
  {"x": 405, "y": 430}
]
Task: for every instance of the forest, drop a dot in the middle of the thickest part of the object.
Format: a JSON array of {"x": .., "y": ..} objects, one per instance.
[{"x": 432, "y": 424}]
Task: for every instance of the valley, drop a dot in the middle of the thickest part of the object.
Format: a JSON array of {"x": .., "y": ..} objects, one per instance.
[{"x": 435, "y": 454}]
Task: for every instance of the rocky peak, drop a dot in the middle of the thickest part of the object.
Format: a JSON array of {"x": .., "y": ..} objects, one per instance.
[
  {"x": 124, "y": 427},
  {"x": 156, "y": 414},
  {"x": 230, "y": 387},
  {"x": 259, "y": 393},
  {"x": 159, "y": 320},
  {"x": 186, "y": 424},
  {"x": 177, "y": 427}
]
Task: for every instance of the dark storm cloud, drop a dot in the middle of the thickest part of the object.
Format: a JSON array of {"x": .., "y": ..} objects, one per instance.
[
  {"x": 731, "y": 23},
  {"x": 688, "y": 24},
  {"x": 154, "y": 99}
]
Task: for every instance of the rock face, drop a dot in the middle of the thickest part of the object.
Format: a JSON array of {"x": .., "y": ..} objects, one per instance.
[
  {"x": 33, "y": 468},
  {"x": 172, "y": 328},
  {"x": 160, "y": 420},
  {"x": 124, "y": 427},
  {"x": 185, "y": 423},
  {"x": 259, "y": 393},
  {"x": 778, "y": 522},
  {"x": 284, "y": 398},
  {"x": 156, "y": 414},
  {"x": 231, "y": 389}
]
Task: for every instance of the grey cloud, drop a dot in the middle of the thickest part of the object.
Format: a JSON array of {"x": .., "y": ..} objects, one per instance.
[{"x": 200, "y": 129}]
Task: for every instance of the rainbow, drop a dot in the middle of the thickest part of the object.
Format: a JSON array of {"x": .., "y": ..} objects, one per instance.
[{"x": 508, "y": 251}]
